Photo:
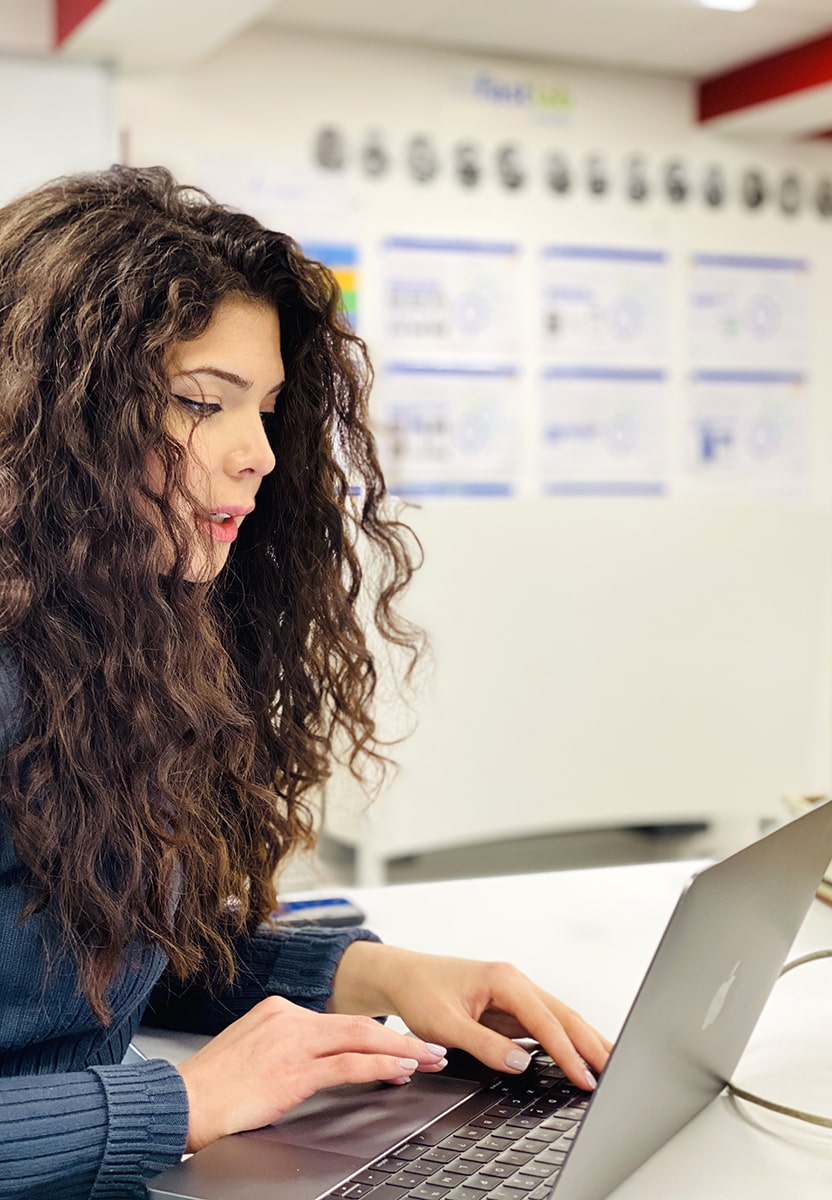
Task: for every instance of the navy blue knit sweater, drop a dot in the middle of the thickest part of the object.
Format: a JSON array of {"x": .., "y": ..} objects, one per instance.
[{"x": 74, "y": 1121}]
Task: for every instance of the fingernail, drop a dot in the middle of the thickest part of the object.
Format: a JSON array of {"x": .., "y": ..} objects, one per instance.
[
  {"x": 591, "y": 1081},
  {"x": 443, "y": 1062},
  {"x": 518, "y": 1060},
  {"x": 434, "y": 1049},
  {"x": 408, "y": 1064}
]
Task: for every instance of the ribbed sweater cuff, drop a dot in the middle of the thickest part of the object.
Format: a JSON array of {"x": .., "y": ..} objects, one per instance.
[
  {"x": 306, "y": 961},
  {"x": 147, "y": 1110}
]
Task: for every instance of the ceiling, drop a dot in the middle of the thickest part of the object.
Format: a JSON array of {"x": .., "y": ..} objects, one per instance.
[
  {"x": 676, "y": 37},
  {"x": 671, "y": 37}
]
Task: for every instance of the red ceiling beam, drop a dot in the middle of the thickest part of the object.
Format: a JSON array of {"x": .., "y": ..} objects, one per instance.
[
  {"x": 805, "y": 66},
  {"x": 69, "y": 14}
]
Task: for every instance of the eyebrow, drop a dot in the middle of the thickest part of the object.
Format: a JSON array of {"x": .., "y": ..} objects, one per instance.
[{"x": 230, "y": 377}]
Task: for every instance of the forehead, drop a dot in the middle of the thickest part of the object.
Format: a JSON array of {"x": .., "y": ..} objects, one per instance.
[{"x": 241, "y": 332}]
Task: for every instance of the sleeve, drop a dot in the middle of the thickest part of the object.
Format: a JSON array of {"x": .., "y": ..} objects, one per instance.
[
  {"x": 297, "y": 962},
  {"x": 90, "y": 1135}
]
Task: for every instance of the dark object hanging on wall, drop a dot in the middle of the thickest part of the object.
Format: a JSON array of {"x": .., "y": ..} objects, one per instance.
[
  {"x": 467, "y": 164},
  {"x": 558, "y": 175},
  {"x": 790, "y": 195},
  {"x": 330, "y": 148},
  {"x": 597, "y": 176},
  {"x": 823, "y": 198},
  {"x": 510, "y": 168},
  {"x": 375, "y": 158},
  {"x": 422, "y": 158},
  {"x": 753, "y": 189},
  {"x": 714, "y": 187},
  {"x": 676, "y": 183},
  {"x": 638, "y": 187}
]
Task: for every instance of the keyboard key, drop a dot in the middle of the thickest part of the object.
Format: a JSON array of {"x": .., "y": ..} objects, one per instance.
[
  {"x": 463, "y": 1192},
  {"x": 420, "y": 1167},
  {"x": 539, "y": 1170},
  {"x": 515, "y": 1158},
  {"x": 428, "y": 1191},
  {"x": 480, "y": 1183},
  {"x": 553, "y": 1157},
  {"x": 501, "y": 1110},
  {"x": 558, "y": 1122},
  {"x": 486, "y": 1121},
  {"x": 406, "y": 1179},
  {"x": 371, "y": 1176},
  {"x": 522, "y": 1121},
  {"x": 457, "y": 1144},
  {"x": 539, "y": 1134},
  {"x": 544, "y": 1191},
  {"x": 447, "y": 1179},
  {"x": 389, "y": 1164},
  {"x": 496, "y": 1141},
  {"x": 505, "y": 1191},
  {"x": 576, "y": 1114},
  {"x": 522, "y": 1183},
  {"x": 476, "y": 1154},
  {"x": 438, "y": 1155},
  {"x": 498, "y": 1170},
  {"x": 386, "y": 1192},
  {"x": 409, "y": 1151}
]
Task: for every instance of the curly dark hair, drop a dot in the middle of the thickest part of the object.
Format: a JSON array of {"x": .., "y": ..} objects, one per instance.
[{"x": 170, "y": 729}]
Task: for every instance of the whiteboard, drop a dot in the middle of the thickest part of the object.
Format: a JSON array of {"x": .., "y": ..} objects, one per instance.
[{"x": 58, "y": 118}]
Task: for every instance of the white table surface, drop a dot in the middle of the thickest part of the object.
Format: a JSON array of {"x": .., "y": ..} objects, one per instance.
[{"x": 589, "y": 936}]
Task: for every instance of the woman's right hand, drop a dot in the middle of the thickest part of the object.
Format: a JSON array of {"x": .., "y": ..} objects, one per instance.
[{"x": 279, "y": 1054}]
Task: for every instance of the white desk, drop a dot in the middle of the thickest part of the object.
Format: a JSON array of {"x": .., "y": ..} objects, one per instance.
[{"x": 588, "y": 936}]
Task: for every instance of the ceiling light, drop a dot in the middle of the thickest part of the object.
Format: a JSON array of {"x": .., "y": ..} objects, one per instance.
[{"x": 729, "y": 5}]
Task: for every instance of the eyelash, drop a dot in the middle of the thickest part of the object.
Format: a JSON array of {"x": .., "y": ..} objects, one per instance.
[{"x": 202, "y": 409}]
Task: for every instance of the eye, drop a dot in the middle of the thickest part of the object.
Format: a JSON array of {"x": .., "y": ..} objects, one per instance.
[{"x": 200, "y": 408}]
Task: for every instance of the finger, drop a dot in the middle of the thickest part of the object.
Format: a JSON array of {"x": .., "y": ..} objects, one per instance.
[
  {"x": 327, "y": 1033},
  {"x": 513, "y": 993},
  {"x": 337, "y": 1069}
]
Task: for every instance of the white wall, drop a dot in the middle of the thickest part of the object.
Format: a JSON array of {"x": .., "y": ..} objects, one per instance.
[
  {"x": 243, "y": 123},
  {"x": 57, "y": 119}
]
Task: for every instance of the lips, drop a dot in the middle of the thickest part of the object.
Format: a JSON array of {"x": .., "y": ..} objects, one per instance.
[{"x": 222, "y": 523}]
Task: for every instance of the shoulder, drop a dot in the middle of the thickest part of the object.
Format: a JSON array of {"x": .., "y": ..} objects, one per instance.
[{"x": 11, "y": 698}]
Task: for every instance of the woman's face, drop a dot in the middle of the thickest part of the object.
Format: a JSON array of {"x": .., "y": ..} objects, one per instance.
[{"x": 224, "y": 386}]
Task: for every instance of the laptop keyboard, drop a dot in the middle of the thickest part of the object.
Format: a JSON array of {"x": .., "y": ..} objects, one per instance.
[{"x": 507, "y": 1142}]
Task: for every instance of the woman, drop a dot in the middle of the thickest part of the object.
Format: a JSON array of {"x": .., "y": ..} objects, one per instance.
[{"x": 182, "y": 421}]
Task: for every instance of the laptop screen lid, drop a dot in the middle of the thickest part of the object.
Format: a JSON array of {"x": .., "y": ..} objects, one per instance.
[{"x": 696, "y": 1009}]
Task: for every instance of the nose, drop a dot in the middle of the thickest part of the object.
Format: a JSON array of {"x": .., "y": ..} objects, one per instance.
[{"x": 251, "y": 452}]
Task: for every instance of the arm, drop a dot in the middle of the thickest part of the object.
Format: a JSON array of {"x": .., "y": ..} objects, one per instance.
[
  {"x": 296, "y": 962},
  {"x": 94, "y": 1134}
]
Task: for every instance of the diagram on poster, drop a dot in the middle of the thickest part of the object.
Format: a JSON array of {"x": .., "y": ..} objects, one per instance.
[
  {"x": 604, "y": 305},
  {"x": 747, "y": 431},
  {"x": 604, "y": 430},
  {"x": 748, "y": 312},
  {"x": 447, "y": 431},
  {"x": 449, "y": 299}
]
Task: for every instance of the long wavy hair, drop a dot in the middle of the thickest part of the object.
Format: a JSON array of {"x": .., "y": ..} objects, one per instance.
[{"x": 170, "y": 731}]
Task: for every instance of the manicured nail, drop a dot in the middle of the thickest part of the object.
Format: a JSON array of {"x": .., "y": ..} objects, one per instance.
[
  {"x": 518, "y": 1060},
  {"x": 408, "y": 1064},
  {"x": 443, "y": 1062},
  {"x": 434, "y": 1049},
  {"x": 591, "y": 1081}
]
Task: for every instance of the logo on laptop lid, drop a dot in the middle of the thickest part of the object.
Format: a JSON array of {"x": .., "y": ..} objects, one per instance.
[{"x": 719, "y": 998}]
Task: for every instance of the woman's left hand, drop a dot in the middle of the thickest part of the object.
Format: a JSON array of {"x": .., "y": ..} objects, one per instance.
[{"x": 470, "y": 1005}]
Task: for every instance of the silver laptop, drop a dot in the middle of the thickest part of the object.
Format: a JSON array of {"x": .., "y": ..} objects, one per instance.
[{"x": 470, "y": 1134}]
